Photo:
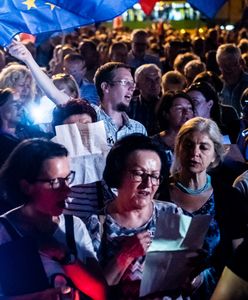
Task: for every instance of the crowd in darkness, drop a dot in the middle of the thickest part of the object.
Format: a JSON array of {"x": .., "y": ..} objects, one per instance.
[{"x": 175, "y": 112}]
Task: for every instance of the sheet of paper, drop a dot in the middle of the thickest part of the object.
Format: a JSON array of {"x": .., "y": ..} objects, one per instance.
[
  {"x": 82, "y": 139},
  {"x": 88, "y": 148},
  {"x": 176, "y": 238}
]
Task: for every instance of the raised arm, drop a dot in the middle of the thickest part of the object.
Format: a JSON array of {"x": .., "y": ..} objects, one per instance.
[{"x": 19, "y": 51}]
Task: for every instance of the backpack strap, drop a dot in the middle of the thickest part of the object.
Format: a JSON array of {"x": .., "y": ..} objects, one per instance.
[
  {"x": 9, "y": 228},
  {"x": 69, "y": 232}
]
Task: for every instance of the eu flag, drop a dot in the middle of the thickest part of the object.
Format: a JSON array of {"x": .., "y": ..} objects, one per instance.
[
  {"x": 34, "y": 16},
  {"x": 207, "y": 7},
  {"x": 99, "y": 10}
]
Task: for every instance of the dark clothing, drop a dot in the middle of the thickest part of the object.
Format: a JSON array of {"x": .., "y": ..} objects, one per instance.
[
  {"x": 238, "y": 264},
  {"x": 135, "y": 62},
  {"x": 229, "y": 117},
  {"x": 8, "y": 142},
  {"x": 231, "y": 95},
  {"x": 27, "y": 132},
  {"x": 143, "y": 111}
]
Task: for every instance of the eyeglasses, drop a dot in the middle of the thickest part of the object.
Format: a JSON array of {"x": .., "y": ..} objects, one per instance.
[
  {"x": 124, "y": 82},
  {"x": 59, "y": 182},
  {"x": 140, "y": 176}
]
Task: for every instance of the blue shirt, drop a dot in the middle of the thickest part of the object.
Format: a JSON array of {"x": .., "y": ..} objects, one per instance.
[{"x": 88, "y": 92}]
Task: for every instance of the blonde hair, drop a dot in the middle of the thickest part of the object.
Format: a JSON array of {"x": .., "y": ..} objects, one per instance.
[{"x": 11, "y": 74}]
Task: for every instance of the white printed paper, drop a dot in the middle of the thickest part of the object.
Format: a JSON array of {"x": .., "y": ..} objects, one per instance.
[
  {"x": 88, "y": 148},
  {"x": 177, "y": 237}
]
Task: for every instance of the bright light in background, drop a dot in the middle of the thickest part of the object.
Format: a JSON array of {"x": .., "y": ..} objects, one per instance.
[
  {"x": 137, "y": 6},
  {"x": 42, "y": 113},
  {"x": 37, "y": 113},
  {"x": 182, "y": 31},
  {"x": 229, "y": 27},
  {"x": 201, "y": 30}
]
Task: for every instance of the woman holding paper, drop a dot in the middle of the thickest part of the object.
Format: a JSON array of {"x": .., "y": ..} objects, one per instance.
[
  {"x": 123, "y": 236},
  {"x": 199, "y": 148}
]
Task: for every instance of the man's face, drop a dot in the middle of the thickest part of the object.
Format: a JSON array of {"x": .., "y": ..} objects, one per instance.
[
  {"x": 119, "y": 91},
  {"x": 149, "y": 84},
  {"x": 139, "y": 46},
  {"x": 230, "y": 68},
  {"x": 11, "y": 112}
]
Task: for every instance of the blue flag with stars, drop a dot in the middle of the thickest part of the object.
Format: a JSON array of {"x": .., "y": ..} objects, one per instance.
[
  {"x": 99, "y": 10},
  {"x": 34, "y": 17},
  {"x": 40, "y": 16}
]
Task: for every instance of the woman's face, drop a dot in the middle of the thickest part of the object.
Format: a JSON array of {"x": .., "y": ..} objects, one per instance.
[
  {"x": 201, "y": 105},
  {"x": 180, "y": 112},
  {"x": 44, "y": 198},
  {"x": 79, "y": 118},
  {"x": 22, "y": 87},
  {"x": 196, "y": 152},
  {"x": 141, "y": 179}
]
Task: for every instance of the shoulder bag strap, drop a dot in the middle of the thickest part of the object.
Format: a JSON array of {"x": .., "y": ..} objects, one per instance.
[{"x": 69, "y": 231}]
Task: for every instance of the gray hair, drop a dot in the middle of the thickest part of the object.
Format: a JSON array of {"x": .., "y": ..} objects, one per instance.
[
  {"x": 203, "y": 125},
  {"x": 146, "y": 68},
  {"x": 228, "y": 49}
]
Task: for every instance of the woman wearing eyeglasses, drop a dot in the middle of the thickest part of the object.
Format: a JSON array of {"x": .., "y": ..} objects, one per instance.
[
  {"x": 134, "y": 168},
  {"x": 37, "y": 177}
]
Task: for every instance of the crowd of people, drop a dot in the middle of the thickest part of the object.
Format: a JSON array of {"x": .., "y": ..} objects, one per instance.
[{"x": 174, "y": 109}]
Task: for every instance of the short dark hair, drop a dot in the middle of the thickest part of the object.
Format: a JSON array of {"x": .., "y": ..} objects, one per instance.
[
  {"x": 5, "y": 95},
  {"x": 72, "y": 107},
  {"x": 119, "y": 153},
  {"x": 210, "y": 77},
  {"x": 165, "y": 105},
  {"x": 106, "y": 73},
  {"x": 25, "y": 162},
  {"x": 209, "y": 92}
]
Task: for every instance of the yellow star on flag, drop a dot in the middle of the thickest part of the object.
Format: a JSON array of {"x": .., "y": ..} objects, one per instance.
[
  {"x": 52, "y": 6},
  {"x": 30, "y": 4}
]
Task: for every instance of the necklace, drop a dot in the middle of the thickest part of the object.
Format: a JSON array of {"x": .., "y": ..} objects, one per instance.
[{"x": 190, "y": 191}]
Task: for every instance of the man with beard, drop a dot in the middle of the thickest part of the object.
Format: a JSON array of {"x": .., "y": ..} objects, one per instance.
[
  {"x": 115, "y": 87},
  {"x": 114, "y": 84},
  {"x": 142, "y": 107}
]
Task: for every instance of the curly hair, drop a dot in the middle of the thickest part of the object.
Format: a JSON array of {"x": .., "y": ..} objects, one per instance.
[{"x": 11, "y": 74}]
